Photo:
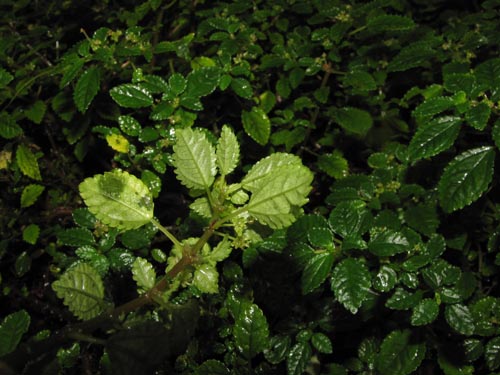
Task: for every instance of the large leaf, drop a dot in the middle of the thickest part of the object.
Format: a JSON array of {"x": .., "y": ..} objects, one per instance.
[
  {"x": 194, "y": 159},
  {"x": 257, "y": 125},
  {"x": 274, "y": 203},
  {"x": 86, "y": 88},
  {"x": 82, "y": 290},
  {"x": 351, "y": 283},
  {"x": 118, "y": 199},
  {"x": 228, "y": 151},
  {"x": 131, "y": 96},
  {"x": 12, "y": 329},
  {"x": 251, "y": 332},
  {"x": 316, "y": 271},
  {"x": 466, "y": 178},
  {"x": 434, "y": 137},
  {"x": 399, "y": 354}
]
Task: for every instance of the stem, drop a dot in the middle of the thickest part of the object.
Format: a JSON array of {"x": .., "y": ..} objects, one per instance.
[
  {"x": 165, "y": 231},
  {"x": 86, "y": 338}
]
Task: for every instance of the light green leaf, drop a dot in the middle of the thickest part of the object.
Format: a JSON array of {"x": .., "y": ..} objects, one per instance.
[
  {"x": 144, "y": 274},
  {"x": 466, "y": 178},
  {"x": 202, "y": 207},
  {"x": 228, "y": 151},
  {"x": 30, "y": 194},
  {"x": 27, "y": 162},
  {"x": 131, "y": 96},
  {"x": 388, "y": 243},
  {"x": 425, "y": 312},
  {"x": 267, "y": 167},
  {"x": 399, "y": 354},
  {"x": 460, "y": 319},
  {"x": 30, "y": 233},
  {"x": 353, "y": 120},
  {"x": 316, "y": 271},
  {"x": 86, "y": 88},
  {"x": 257, "y": 125},
  {"x": 12, "y": 329},
  {"x": 434, "y": 137},
  {"x": 322, "y": 343},
  {"x": 206, "y": 278},
  {"x": 280, "y": 194},
  {"x": 351, "y": 282},
  {"x": 82, "y": 290},
  {"x": 118, "y": 199},
  {"x": 251, "y": 331},
  {"x": 298, "y": 358},
  {"x": 194, "y": 159},
  {"x": 220, "y": 252},
  {"x": 492, "y": 353}
]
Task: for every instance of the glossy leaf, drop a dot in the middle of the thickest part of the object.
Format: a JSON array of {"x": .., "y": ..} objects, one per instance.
[
  {"x": 316, "y": 271},
  {"x": 118, "y": 199},
  {"x": 86, "y": 88},
  {"x": 212, "y": 367},
  {"x": 351, "y": 282},
  {"x": 460, "y": 319},
  {"x": 27, "y": 162},
  {"x": 129, "y": 125},
  {"x": 130, "y": 95},
  {"x": 298, "y": 358},
  {"x": 144, "y": 274},
  {"x": 399, "y": 354},
  {"x": 75, "y": 237},
  {"x": 466, "y": 178},
  {"x": 492, "y": 353},
  {"x": 322, "y": 343},
  {"x": 12, "y": 329},
  {"x": 388, "y": 243},
  {"x": 202, "y": 81},
  {"x": 350, "y": 219},
  {"x": 242, "y": 87},
  {"x": 403, "y": 300},
  {"x": 251, "y": 331},
  {"x": 82, "y": 290},
  {"x": 434, "y": 137},
  {"x": 194, "y": 159},
  {"x": 257, "y": 125},
  {"x": 425, "y": 312},
  {"x": 206, "y": 278},
  {"x": 30, "y": 194},
  {"x": 386, "y": 279},
  {"x": 433, "y": 106},
  {"x": 228, "y": 151}
]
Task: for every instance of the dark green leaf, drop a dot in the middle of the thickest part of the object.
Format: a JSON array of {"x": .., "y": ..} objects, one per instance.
[
  {"x": 12, "y": 329},
  {"x": 278, "y": 349},
  {"x": 30, "y": 194},
  {"x": 433, "y": 106},
  {"x": 389, "y": 22},
  {"x": 425, "y": 312},
  {"x": 212, "y": 367},
  {"x": 478, "y": 116},
  {"x": 466, "y": 178},
  {"x": 400, "y": 354},
  {"x": 334, "y": 165},
  {"x": 388, "y": 243},
  {"x": 8, "y": 127},
  {"x": 322, "y": 343},
  {"x": 385, "y": 279},
  {"x": 129, "y": 125},
  {"x": 353, "y": 120},
  {"x": 403, "y": 300},
  {"x": 316, "y": 271},
  {"x": 351, "y": 282},
  {"x": 460, "y": 319},
  {"x": 423, "y": 218},
  {"x": 257, "y": 125},
  {"x": 76, "y": 237},
  {"x": 492, "y": 353},
  {"x": 251, "y": 332},
  {"x": 242, "y": 87},
  {"x": 298, "y": 358},
  {"x": 202, "y": 81},
  {"x": 86, "y": 88},
  {"x": 131, "y": 96},
  {"x": 351, "y": 218}
]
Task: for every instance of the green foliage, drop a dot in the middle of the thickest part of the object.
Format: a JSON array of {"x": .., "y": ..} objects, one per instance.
[{"x": 323, "y": 176}]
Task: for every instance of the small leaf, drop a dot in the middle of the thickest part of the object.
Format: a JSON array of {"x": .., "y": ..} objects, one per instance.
[
  {"x": 82, "y": 290},
  {"x": 86, "y": 88},
  {"x": 322, "y": 343},
  {"x": 433, "y": 106},
  {"x": 27, "y": 162},
  {"x": 351, "y": 282},
  {"x": 194, "y": 159},
  {"x": 212, "y": 367},
  {"x": 206, "y": 278},
  {"x": 466, "y": 178},
  {"x": 334, "y": 165},
  {"x": 434, "y": 137},
  {"x": 460, "y": 319},
  {"x": 5, "y": 77},
  {"x": 30, "y": 233},
  {"x": 316, "y": 271},
  {"x": 425, "y": 312},
  {"x": 478, "y": 116},
  {"x": 202, "y": 81},
  {"x": 177, "y": 83},
  {"x": 403, "y": 300},
  {"x": 298, "y": 358},
  {"x": 76, "y": 237},
  {"x": 353, "y": 120},
  {"x": 118, "y": 199},
  {"x": 36, "y": 112},
  {"x": 220, "y": 252},
  {"x": 388, "y": 243},
  {"x": 228, "y": 151},
  {"x": 257, "y": 125},
  {"x": 8, "y": 126},
  {"x": 350, "y": 219},
  {"x": 492, "y": 353},
  {"x": 84, "y": 218},
  {"x": 399, "y": 354},
  {"x": 386, "y": 279},
  {"x": 118, "y": 142},
  {"x": 131, "y": 96},
  {"x": 251, "y": 332},
  {"x": 390, "y": 22},
  {"x": 129, "y": 125},
  {"x": 144, "y": 274},
  {"x": 94, "y": 258},
  {"x": 30, "y": 194},
  {"x": 242, "y": 87},
  {"x": 12, "y": 329}
]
